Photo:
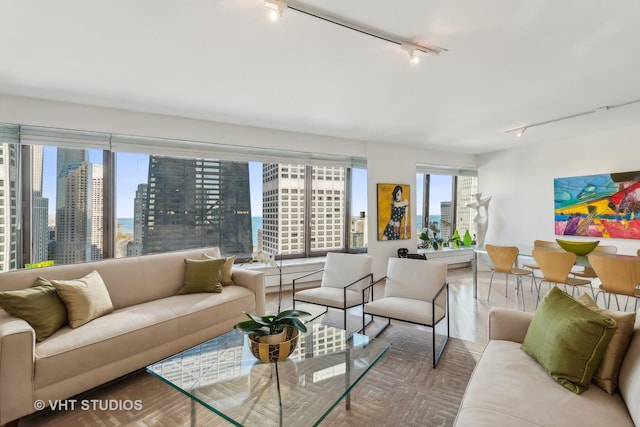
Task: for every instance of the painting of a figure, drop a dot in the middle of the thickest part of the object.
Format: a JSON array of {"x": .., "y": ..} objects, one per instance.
[
  {"x": 394, "y": 215},
  {"x": 604, "y": 205}
]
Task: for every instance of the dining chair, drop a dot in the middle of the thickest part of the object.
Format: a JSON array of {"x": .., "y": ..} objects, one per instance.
[
  {"x": 343, "y": 278},
  {"x": 537, "y": 244},
  {"x": 587, "y": 271},
  {"x": 618, "y": 276},
  {"x": 415, "y": 291},
  {"x": 555, "y": 267},
  {"x": 503, "y": 259}
]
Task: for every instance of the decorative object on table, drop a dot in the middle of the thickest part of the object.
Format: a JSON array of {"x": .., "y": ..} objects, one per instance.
[
  {"x": 394, "y": 220},
  {"x": 481, "y": 220},
  {"x": 457, "y": 241},
  {"x": 603, "y": 205},
  {"x": 578, "y": 248},
  {"x": 467, "y": 239},
  {"x": 272, "y": 336},
  {"x": 276, "y": 352},
  {"x": 430, "y": 236}
]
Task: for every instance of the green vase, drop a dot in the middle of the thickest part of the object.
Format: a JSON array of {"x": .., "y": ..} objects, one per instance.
[
  {"x": 456, "y": 239},
  {"x": 467, "y": 239}
]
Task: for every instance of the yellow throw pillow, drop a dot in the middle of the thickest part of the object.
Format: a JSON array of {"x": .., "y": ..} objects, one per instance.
[
  {"x": 227, "y": 269},
  {"x": 86, "y": 298},
  {"x": 202, "y": 275},
  {"x": 568, "y": 339},
  {"x": 38, "y": 305},
  {"x": 606, "y": 376}
]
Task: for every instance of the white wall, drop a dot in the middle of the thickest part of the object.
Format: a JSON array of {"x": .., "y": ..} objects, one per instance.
[
  {"x": 386, "y": 163},
  {"x": 520, "y": 183}
]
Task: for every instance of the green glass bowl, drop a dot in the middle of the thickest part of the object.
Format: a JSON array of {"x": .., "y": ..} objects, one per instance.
[{"x": 578, "y": 248}]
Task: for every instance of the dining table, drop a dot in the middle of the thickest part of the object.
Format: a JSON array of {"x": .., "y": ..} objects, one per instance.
[{"x": 524, "y": 251}]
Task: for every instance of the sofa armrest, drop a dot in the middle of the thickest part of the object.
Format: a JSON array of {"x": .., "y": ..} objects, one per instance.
[
  {"x": 508, "y": 325},
  {"x": 253, "y": 280},
  {"x": 17, "y": 354}
]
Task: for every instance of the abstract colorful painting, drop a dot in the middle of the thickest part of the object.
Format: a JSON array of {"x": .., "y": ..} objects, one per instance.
[{"x": 604, "y": 205}]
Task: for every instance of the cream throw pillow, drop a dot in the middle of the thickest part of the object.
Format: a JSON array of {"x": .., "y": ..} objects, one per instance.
[
  {"x": 86, "y": 298},
  {"x": 606, "y": 376},
  {"x": 226, "y": 269}
]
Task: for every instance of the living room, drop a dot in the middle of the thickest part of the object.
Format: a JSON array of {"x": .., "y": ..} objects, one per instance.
[{"x": 220, "y": 72}]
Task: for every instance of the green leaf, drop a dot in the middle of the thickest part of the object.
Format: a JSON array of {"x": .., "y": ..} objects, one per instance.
[{"x": 294, "y": 322}]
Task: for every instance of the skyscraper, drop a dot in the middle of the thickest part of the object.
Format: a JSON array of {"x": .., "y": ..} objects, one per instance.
[
  {"x": 134, "y": 248},
  {"x": 196, "y": 203},
  {"x": 284, "y": 207},
  {"x": 466, "y": 187},
  {"x": 8, "y": 206},
  {"x": 40, "y": 209},
  {"x": 79, "y": 206}
]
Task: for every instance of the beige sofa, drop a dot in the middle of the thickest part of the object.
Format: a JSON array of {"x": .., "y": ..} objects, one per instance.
[
  {"x": 150, "y": 322},
  {"x": 509, "y": 388}
]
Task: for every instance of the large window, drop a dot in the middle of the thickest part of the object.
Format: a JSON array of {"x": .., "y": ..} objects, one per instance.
[
  {"x": 89, "y": 196},
  {"x": 442, "y": 201}
]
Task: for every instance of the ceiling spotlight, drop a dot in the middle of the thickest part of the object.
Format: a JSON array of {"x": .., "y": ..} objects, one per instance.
[
  {"x": 275, "y": 9},
  {"x": 412, "y": 51},
  {"x": 520, "y": 131}
]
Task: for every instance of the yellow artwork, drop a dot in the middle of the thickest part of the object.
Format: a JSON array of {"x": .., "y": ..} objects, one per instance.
[{"x": 394, "y": 214}]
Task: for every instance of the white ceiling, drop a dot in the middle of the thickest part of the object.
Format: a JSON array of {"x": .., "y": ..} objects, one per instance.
[{"x": 509, "y": 63}]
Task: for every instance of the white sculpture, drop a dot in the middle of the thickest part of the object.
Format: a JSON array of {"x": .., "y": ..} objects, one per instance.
[{"x": 482, "y": 217}]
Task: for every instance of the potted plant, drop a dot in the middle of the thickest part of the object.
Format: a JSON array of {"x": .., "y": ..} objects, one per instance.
[
  {"x": 271, "y": 327},
  {"x": 277, "y": 333}
]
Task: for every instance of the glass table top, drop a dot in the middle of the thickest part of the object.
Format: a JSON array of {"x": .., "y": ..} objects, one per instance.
[{"x": 225, "y": 377}]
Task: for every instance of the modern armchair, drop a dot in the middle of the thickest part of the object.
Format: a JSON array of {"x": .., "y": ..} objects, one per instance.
[
  {"x": 415, "y": 291},
  {"x": 343, "y": 278}
]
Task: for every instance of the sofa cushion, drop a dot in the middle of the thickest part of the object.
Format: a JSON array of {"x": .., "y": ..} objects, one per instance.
[
  {"x": 105, "y": 340},
  {"x": 568, "y": 339},
  {"x": 226, "y": 269},
  {"x": 202, "y": 275},
  {"x": 39, "y": 305},
  {"x": 86, "y": 298},
  {"x": 606, "y": 376},
  {"x": 629, "y": 378},
  {"x": 508, "y": 388}
]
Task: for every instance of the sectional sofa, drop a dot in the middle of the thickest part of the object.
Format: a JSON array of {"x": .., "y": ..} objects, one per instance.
[
  {"x": 149, "y": 322},
  {"x": 509, "y": 388}
]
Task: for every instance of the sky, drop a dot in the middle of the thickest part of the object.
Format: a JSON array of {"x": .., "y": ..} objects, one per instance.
[{"x": 132, "y": 169}]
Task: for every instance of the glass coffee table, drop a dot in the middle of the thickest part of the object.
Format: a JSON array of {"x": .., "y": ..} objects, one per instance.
[{"x": 226, "y": 378}]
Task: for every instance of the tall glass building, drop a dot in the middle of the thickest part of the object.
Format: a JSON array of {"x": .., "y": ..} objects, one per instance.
[{"x": 197, "y": 203}]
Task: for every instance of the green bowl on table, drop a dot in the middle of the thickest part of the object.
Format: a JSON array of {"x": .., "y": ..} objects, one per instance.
[{"x": 577, "y": 247}]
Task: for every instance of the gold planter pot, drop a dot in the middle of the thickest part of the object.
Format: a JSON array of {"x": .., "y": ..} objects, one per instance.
[{"x": 274, "y": 352}]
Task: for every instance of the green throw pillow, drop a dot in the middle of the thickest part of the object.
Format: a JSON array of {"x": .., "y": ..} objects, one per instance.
[
  {"x": 227, "y": 270},
  {"x": 38, "y": 305},
  {"x": 86, "y": 298},
  {"x": 568, "y": 339},
  {"x": 202, "y": 275}
]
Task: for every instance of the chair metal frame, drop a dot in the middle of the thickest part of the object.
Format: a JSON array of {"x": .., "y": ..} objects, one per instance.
[{"x": 444, "y": 288}]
